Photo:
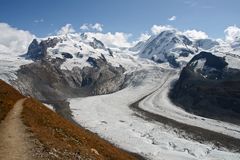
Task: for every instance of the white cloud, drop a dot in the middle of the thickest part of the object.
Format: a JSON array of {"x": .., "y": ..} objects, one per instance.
[
  {"x": 232, "y": 34},
  {"x": 191, "y": 3},
  {"x": 98, "y": 27},
  {"x": 84, "y": 27},
  {"x": 117, "y": 39},
  {"x": 156, "y": 29},
  {"x": 39, "y": 20},
  {"x": 13, "y": 40},
  {"x": 68, "y": 28},
  {"x": 173, "y": 18},
  {"x": 144, "y": 37},
  {"x": 92, "y": 27},
  {"x": 194, "y": 34}
]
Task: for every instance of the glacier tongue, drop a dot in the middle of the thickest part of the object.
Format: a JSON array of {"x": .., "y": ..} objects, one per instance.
[{"x": 110, "y": 117}]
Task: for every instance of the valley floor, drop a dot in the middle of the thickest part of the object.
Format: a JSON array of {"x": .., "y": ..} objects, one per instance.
[{"x": 113, "y": 119}]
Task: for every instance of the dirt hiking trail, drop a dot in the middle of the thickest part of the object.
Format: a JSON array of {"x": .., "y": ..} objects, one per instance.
[{"x": 14, "y": 140}]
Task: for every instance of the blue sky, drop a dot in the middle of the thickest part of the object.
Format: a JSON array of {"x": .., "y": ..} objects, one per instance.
[{"x": 42, "y": 17}]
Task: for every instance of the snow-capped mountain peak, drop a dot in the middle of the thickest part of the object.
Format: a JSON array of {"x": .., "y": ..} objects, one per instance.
[
  {"x": 167, "y": 46},
  {"x": 177, "y": 48},
  {"x": 74, "y": 49}
]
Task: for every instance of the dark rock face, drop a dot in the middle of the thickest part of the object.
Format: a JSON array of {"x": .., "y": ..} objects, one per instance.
[
  {"x": 185, "y": 40},
  {"x": 67, "y": 55},
  {"x": 185, "y": 53},
  {"x": 34, "y": 50},
  {"x": 92, "y": 61},
  {"x": 110, "y": 52},
  {"x": 211, "y": 60},
  {"x": 213, "y": 66},
  {"x": 37, "y": 51},
  {"x": 213, "y": 91},
  {"x": 172, "y": 61},
  {"x": 97, "y": 44}
]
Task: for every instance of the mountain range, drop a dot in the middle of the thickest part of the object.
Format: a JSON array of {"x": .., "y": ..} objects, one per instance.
[{"x": 171, "y": 79}]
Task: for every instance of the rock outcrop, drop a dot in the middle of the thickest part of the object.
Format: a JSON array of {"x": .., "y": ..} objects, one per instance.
[
  {"x": 37, "y": 51},
  {"x": 207, "y": 87}
]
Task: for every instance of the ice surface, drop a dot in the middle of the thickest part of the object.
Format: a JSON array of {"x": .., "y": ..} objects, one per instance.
[{"x": 110, "y": 117}]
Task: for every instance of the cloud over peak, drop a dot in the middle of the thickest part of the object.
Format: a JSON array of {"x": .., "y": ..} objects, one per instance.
[
  {"x": 68, "y": 28},
  {"x": 156, "y": 29},
  {"x": 194, "y": 34},
  {"x": 232, "y": 34},
  {"x": 117, "y": 39},
  {"x": 92, "y": 27},
  {"x": 14, "y": 41},
  {"x": 144, "y": 37}
]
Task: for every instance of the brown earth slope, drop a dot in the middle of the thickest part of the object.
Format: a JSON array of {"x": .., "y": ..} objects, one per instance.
[
  {"x": 65, "y": 140},
  {"x": 8, "y": 97}
]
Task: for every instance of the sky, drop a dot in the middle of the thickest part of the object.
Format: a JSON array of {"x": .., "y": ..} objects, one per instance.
[{"x": 44, "y": 17}]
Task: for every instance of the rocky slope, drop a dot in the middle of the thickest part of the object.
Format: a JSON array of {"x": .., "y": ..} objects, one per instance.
[{"x": 208, "y": 87}]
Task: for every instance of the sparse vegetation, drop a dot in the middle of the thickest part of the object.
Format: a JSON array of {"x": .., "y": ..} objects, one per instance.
[
  {"x": 8, "y": 97},
  {"x": 67, "y": 140}
]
